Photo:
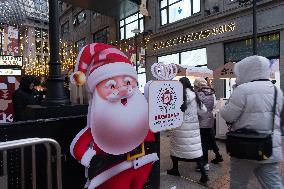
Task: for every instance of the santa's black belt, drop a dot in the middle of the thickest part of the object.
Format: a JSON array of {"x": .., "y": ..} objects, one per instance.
[{"x": 100, "y": 163}]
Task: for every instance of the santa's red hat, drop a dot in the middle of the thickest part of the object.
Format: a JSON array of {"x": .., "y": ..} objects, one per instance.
[{"x": 99, "y": 62}]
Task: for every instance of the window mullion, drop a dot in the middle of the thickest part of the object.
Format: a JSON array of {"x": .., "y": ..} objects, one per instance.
[
  {"x": 191, "y": 7},
  {"x": 124, "y": 26},
  {"x": 172, "y": 3},
  {"x": 168, "y": 16},
  {"x": 167, "y": 7}
]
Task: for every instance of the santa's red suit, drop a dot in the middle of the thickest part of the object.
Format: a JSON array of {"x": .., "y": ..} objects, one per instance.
[{"x": 128, "y": 174}]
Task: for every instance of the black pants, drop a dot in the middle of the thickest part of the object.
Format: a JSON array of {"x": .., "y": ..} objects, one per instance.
[
  {"x": 199, "y": 161},
  {"x": 208, "y": 142}
]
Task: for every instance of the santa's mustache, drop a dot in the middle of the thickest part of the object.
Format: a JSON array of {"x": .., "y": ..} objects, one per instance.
[{"x": 116, "y": 97}]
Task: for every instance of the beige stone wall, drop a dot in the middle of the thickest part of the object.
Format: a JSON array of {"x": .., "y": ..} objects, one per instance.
[{"x": 92, "y": 24}]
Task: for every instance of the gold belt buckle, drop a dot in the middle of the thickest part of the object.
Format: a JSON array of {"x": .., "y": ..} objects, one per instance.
[{"x": 136, "y": 153}]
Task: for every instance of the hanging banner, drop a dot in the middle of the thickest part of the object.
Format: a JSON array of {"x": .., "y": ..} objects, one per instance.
[
  {"x": 7, "y": 86},
  {"x": 11, "y": 41}
]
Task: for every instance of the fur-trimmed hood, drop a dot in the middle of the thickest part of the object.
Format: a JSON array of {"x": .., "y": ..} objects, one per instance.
[{"x": 252, "y": 68}]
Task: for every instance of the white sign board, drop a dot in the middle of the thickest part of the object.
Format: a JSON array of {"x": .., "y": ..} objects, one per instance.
[
  {"x": 165, "y": 100},
  {"x": 7, "y": 60},
  {"x": 10, "y": 72}
]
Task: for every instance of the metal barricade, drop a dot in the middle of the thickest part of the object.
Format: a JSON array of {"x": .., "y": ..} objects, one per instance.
[{"x": 32, "y": 142}]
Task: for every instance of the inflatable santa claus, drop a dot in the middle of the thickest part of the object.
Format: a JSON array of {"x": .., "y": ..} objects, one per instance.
[{"x": 116, "y": 146}]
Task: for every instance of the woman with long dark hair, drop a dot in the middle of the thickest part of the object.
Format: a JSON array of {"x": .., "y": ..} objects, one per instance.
[{"x": 185, "y": 140}]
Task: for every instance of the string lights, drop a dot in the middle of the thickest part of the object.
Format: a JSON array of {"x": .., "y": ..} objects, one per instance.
[
  {"x": 36, "y": 54},
  {"x": 127, "y": 45},
  {"x": 194, "y": 36}
]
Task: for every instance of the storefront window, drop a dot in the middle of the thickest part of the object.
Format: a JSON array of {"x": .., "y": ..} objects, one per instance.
[
  {"x": 65, "y": 28},
  {"x": 168, "y": 59},
  {"x": 196, "y": 6},
  {"x": 130, "y": 23},
  {"x": 196, "y": 57},
  {"x": 38, "y": 33},
  {"x": 44, "y": 34},
  {"x": 45, "y": 47},
  {"x": 38, "y": 60},
  {"x": 174, "y": 10},
  {"x": 38, "y": 46},
  {"x": 79, "y": 18},
  {"x": 229, "y": 89},
  {"x": 80, "y": 44},
  {"x": 101, "y": 36},
  {"x": 141, "y": 81},
  {"x": 267, "y": 46}
]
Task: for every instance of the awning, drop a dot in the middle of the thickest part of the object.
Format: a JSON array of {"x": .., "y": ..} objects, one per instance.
[
  {"x": 191, "y": 71},
  {"x": 114, "y": 8},
  {"x": 17, "y": 11}
]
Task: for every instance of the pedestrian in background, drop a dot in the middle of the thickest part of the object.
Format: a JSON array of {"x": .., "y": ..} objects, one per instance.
[
  {"x": 185, "y": 140},
  {"x": 24, "y": 96},
  {"x": 206, "y": 121},
  {"x": 251, "y": 107}
]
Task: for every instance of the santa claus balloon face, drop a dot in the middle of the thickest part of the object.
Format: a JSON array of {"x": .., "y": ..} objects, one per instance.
[
  {"x": 119, "y": 115},
  {"x": 117, "y": 88}
]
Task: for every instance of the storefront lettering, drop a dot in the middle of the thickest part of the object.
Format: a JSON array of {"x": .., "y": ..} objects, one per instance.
[{"x": 195, "y": 36}]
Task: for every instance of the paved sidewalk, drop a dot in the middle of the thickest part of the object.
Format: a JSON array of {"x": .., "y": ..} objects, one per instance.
[{"x": 218, "y": 174}]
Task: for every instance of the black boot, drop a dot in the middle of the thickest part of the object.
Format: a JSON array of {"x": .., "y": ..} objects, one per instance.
[
  {"x": 204, "y": 175},
  {"x": 203, "y": 180},
  {"x": 217, "y": 159},
  {"x": 174, "y": 171}
]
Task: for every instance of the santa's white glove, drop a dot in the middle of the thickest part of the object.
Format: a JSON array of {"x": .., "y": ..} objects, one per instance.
[{"x": 87, "y": 157}]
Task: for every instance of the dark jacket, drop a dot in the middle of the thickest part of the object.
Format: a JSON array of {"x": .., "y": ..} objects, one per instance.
[
  {"x": 22, "y": 97},
  {"x": 207, "y": 97}
]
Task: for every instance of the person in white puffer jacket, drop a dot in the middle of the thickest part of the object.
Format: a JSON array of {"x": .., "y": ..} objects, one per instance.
[
  {"x": 251, "y": 106},
  {"x": 185, "y": 140}
]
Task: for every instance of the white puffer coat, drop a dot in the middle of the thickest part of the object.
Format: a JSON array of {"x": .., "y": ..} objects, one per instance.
[
  {"x": 250, "y": 105},
  {"x": 185, "y": 140}
]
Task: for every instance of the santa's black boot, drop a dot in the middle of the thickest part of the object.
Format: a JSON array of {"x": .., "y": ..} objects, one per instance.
[{"x": 174, "y": 171}]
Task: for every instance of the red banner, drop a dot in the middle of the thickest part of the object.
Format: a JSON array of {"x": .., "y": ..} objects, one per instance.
[{"x": 8, "y": 84}]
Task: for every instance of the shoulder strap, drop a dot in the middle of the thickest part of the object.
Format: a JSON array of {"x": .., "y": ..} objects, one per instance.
[{"x": 274, "y": 107}]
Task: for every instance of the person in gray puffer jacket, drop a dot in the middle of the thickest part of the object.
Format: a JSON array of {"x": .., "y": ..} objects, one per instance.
[
  {"x": 251, "y": 106},
  {"x": 206, "y": 121}
]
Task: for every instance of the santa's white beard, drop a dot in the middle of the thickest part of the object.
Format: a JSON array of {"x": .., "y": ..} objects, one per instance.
[{"x": 118, "y": 129}]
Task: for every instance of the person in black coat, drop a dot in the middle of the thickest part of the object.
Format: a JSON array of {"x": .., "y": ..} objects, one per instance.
[{"x": 23, "y": 96}]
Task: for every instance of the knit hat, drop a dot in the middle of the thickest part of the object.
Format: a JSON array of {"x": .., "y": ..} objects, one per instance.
[
  {"x": 98, "y": 62},
  {"x": 200, "y": 82}
]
